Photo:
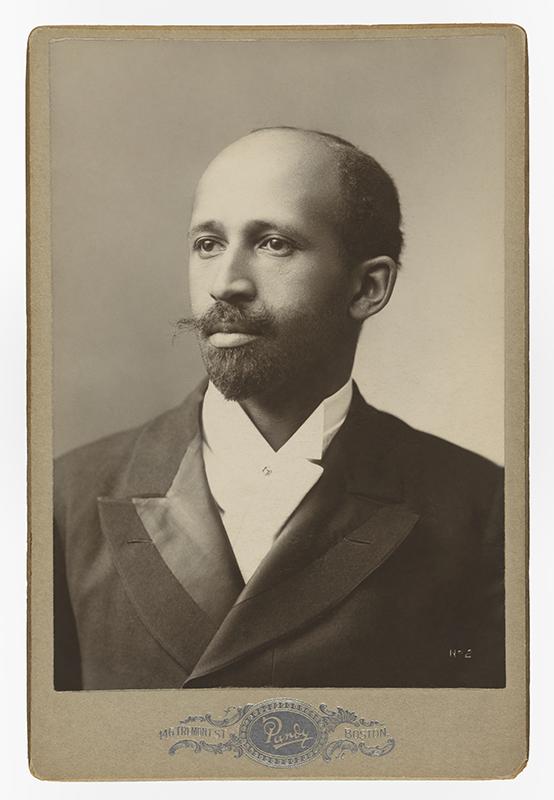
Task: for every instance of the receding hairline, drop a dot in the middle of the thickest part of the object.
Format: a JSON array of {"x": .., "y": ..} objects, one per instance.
[
  {"x": 312, "y": 133},
  {"x": 330, "y": 143},
  {"x": 234, "y": 150},
  {"x": 369, "y": 213}
]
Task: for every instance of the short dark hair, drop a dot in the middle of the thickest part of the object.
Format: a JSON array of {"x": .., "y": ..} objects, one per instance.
[{"x": 371, "y": 217}]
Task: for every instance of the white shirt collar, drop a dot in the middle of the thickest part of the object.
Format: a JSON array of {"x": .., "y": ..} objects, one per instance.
[{"x": 229, "y": 432}]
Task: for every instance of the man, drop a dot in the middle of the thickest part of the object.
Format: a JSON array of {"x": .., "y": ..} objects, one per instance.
[{"x": 275, "y": 530}]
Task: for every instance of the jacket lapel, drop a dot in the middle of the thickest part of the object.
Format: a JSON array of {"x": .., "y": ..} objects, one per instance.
[
  {"x": 167, "y": 611},
  {"x": 174, "y": 557},
  {"x": 187, "y": 531},
  {"x": 166, "y": 537},
  {"x": 346, "y": 527}
]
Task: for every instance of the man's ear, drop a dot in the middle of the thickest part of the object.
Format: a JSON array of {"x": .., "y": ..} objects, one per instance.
[{"x": 374, "y": 281}]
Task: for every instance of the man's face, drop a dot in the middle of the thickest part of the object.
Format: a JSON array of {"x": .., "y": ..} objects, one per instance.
[{"x": 269, "y": 286}]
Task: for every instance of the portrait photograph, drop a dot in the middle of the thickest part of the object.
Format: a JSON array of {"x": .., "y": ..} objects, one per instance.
[{"x": 280, "y": 387}]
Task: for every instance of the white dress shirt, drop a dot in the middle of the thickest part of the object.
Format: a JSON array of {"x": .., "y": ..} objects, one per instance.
[{"x": 255, "y": 487}]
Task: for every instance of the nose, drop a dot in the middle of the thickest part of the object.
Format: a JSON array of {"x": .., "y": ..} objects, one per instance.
[{"x": 233, "y": 280}]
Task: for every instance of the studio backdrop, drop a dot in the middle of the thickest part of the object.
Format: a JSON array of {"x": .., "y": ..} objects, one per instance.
[{"x": 135, "y": 123}]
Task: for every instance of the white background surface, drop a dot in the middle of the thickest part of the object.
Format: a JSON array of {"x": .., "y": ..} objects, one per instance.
[{"x": 537, "y": 18}]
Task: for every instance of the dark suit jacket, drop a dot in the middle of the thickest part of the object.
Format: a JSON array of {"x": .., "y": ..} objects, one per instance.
[{"x": 389, "y": 573}]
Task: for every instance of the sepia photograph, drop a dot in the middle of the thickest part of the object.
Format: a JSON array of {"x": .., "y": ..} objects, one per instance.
[
  {"x": 280, "y": 526},
  {"x": 279, "y": 381}
]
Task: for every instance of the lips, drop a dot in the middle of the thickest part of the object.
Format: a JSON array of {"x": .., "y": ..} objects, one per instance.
[{"x": 230, "y": 338}]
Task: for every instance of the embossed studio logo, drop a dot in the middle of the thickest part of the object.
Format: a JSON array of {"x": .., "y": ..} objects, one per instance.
[{"x": 283, "y": 733}]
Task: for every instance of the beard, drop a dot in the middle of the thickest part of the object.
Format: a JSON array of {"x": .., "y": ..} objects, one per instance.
[{"x": 284, "y": 351}]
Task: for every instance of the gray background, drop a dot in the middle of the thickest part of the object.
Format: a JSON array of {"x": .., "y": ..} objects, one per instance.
[{"x": 133, "y": 126}]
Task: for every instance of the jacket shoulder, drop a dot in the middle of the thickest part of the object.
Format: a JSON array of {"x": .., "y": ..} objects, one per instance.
[
  {"x": 93, "y": 468},
  {"x": 100, "y": 467},
  {"x": 437, "y": 454},
  {"x": 429, "y": 466}
]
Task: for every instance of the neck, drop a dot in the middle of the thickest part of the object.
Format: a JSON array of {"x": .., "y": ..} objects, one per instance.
[{"x": 279, "y": 414}]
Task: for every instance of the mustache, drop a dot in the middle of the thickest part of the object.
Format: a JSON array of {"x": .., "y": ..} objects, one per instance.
[{"x": 228, "y": 318}]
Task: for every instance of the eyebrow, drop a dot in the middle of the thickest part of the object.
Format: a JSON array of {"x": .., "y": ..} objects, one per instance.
[
  {"x": 252, "y": 227},
  {"x": 288, "y": 230},
  {"x": 209, "y": 226}
]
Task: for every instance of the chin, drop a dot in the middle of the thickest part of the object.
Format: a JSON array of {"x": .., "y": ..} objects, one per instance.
[
  {"x": 247, "y": 371},
  {"x": 238, "y": 386}
]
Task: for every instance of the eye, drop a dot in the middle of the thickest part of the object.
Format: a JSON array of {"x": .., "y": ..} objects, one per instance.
[
  {"x": 206, "y": 246},
  {"x": 277, "y": 246}
]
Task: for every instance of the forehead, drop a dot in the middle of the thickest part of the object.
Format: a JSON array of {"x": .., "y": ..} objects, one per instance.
[{"x": 271, "y": 175}]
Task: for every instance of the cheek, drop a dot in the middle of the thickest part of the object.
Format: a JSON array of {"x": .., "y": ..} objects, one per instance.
[
  {"x": 198, "y": 288},
  {"x": 305, "y": 283}
]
